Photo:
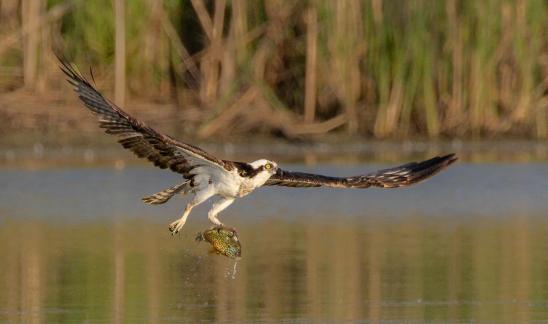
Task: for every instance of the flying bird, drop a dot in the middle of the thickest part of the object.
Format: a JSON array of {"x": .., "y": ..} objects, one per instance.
[{"x": 205, "y": 176}]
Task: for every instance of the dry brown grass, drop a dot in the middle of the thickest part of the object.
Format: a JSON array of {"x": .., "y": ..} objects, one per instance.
[{"x": 371, "y": 67}]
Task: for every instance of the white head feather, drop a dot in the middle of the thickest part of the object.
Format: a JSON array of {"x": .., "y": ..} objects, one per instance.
[{"x": 269, "y": 168}]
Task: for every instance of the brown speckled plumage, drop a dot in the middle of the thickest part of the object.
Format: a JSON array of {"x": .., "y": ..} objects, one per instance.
[
  {"x": 162, "y": 150},
  {"x": 399, "y": 176},
  {"x": 207, "y": 176}
]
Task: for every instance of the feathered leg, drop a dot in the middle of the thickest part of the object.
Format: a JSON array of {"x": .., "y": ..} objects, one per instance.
[{"x": 217, "y": 208}]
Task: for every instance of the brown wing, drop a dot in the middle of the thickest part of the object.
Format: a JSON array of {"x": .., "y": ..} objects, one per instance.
[
  {"x": 403, "y": 175},
  {"x": 145, "y": 142}
]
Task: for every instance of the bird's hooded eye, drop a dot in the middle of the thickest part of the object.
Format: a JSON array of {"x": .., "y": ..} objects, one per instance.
[{"x": 268, "y": 166}]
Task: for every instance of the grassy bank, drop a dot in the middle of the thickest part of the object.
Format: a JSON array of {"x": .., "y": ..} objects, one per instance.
[{"x": 386, "y": 69}]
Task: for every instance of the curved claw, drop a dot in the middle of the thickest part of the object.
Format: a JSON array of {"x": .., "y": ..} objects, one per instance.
[{"x": 176, "y": 226}]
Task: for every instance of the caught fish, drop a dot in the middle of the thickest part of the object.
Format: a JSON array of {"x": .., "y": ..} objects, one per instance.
[{"x": 224, "y": 240}]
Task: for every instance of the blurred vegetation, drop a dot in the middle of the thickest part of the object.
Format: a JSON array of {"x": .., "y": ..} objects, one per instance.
[{"x": 377, "y": 68}]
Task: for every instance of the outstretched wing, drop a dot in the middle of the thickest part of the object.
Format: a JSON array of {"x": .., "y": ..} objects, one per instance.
[
  {"x": 403, "y": 175},
  {"x": 145, "y": 142}
]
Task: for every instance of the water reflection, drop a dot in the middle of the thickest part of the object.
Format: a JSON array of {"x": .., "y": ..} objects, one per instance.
[
  {"x": 415, "y": 269},
  {"x": 77, "y": 245}
]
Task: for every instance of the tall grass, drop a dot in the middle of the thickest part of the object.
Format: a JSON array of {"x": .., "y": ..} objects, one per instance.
[{"x": 371, "y": 67}]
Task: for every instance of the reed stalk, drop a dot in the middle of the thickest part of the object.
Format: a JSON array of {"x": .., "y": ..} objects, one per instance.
[
  {"x": 311, "y": 18},
  {"x": 120, "y": 53},
  {"x": 30, "y": 14},
  {"x": 392, "y": 68}
]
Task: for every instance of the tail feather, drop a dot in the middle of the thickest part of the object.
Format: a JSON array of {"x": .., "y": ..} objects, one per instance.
[{"x": 164, "y": 195}]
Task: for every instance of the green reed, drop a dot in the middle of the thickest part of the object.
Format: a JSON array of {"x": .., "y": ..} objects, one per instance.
[{"x": 392, "y": 68}]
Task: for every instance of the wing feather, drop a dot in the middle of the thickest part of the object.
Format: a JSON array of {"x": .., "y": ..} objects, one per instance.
[
  {"x": 162, "y": 150},
  {"x": 400, "y": 176}
]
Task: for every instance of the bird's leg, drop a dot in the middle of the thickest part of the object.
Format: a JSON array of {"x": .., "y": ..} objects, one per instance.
[
  {"x": 176, "y": 226},
  {"x": 200, "y": 197},
  {"x": 217, "y": 208}
]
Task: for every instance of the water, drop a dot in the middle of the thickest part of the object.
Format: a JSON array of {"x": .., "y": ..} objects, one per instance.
[{"x": 77, "y": 245}]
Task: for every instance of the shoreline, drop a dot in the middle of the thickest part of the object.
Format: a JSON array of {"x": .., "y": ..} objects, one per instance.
[{"x": 353, "y": 152}]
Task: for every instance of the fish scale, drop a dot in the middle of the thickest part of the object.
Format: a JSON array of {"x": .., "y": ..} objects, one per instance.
[{"x": 224, "y": 241}]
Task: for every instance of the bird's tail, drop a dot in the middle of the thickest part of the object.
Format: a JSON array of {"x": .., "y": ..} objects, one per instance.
[{"x": 164, "y": 195}]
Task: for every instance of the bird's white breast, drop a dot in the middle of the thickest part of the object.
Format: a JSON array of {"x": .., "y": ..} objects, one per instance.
[
  {"x": 249, "y": 184},
  {"x": 227, "y": 183}
]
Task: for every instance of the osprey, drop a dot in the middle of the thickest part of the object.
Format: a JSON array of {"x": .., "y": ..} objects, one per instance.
[{"x": 205, "y": 175}]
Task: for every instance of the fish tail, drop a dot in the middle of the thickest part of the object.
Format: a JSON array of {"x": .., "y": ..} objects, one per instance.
[{"x": 199, "y": 237}]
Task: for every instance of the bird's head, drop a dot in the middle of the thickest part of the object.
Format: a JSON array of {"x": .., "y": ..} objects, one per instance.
[{"x": 264, "y": 167}]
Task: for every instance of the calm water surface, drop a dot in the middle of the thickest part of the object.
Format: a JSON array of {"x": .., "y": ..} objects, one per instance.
[{"x": 471, "y": 244}]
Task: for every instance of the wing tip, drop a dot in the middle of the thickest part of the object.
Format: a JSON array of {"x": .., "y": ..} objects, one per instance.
[
  {"x": 448, "y": 159},
  {"x": 75, "y": 77},
  {"x": 430, "y": 167}
]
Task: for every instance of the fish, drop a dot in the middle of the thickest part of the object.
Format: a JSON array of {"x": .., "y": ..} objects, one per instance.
[{"x": 224, "y": 241}]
